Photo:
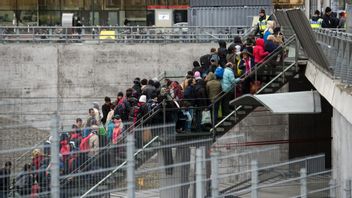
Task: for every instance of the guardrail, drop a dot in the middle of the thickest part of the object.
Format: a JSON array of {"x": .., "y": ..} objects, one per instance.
[
  {"x": 120, "y": 34},
  {"x": 337, "y": 47}
]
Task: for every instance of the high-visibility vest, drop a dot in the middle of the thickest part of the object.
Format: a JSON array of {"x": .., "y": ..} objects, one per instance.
[
  {"x": 316, "y": 24},
  {"x": 263, "y": 24}
]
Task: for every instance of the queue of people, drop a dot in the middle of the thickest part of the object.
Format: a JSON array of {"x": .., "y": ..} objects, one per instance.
[{"x": 194, "y": 104}]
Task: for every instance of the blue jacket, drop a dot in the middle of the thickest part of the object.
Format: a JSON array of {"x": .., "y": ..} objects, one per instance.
[
  {"x": 228, "y": 80},
  {"x": 111, "y": 127}
]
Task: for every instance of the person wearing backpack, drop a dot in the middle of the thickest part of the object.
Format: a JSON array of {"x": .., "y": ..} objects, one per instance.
[
  {"x": 227, "y": 85},
  {"x": 222, "y": 51},
  {"x": 24, "y": 181},
  {"x": 5, "y": 174},
  {"x": 201, "y": 99},
  {"x": 89, "y": 145},
  {"x": 114, "y": 133},
  {"x": 139, "y": 111}
]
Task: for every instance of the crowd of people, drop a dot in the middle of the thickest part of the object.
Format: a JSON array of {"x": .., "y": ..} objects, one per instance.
[
  {"x": 328, "y": 20},
  {"x": 193, "y": 103}
]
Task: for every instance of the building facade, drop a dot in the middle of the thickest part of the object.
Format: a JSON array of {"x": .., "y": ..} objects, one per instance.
[{"x": 89, "y": 12}]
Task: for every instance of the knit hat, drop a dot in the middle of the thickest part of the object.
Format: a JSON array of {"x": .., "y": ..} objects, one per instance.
[
  {"x": 238, "y": 49},
  {"x": 116, "y": 116},
  {"x": 96, "y": 105},
  {"x": 197, "y": 75},
  {"x": 143, "y": 98},
  {"x": 327, "y": 9}
]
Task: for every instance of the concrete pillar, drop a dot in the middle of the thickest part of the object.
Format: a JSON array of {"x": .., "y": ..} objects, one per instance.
[
  {"x": 349, "y": 18},
  {"x": 319, "y": 5},
  {"x": 179, "y": 175},
  {"x": 307, "y": 8},
  {"x": 326, "y": 3}
]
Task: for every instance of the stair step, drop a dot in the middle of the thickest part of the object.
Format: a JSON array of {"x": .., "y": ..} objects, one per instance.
[
  {"x": 227, "y": 124},
  {"x": 241, "y": 112},
  {"x": 248, "y": 107},
  {"x": 233, "y": 118},
  {"x": 288, "y": 73},
  {"x": 275, "y": 85},
  {"x": 268, "y": 90},
  {"x": 220, "y": 129}
]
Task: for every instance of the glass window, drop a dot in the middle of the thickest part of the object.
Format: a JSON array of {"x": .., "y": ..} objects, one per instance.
[
  {"x": 72, "y": 4},
  {"x": 27, "y": 4},
  {"x": 49, "y": 18},
  {"x": 7, "y": 17},
  {"x": 135, "y": 4},
  {"x": 7, "y": 4},
  {"x": 49, "y": 4},
  {"x": 111, "y": 4},
  {"x": 157, "y": 2},
  {"x": 130, "y": 15},
  {"x": 27, "y": 17},
  {"x": 98, "y": 5}
]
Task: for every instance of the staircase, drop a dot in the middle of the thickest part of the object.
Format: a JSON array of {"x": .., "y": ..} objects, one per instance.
[
  {"x": 83, "y": 181},
  {"x": 274, "y": 79}
]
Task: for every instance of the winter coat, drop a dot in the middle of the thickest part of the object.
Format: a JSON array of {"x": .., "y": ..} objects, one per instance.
[
  {"x": 105, "y": 109},
  {"x": 242, "y": 65},
  {"x": 213, "y": 87},
  {"x": 93, "y": 145},
  {"x": 200, "y": 93},
  {"x": 149, "y": 91},
  {"x": 330, "y": 21},
  {"x": 228, "y": 80},
  {"x": 258, "y": 52},
  {"x": 270, "y": 46}
]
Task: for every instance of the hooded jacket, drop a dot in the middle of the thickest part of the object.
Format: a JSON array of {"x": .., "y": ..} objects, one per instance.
[
  {"x": 259, "y": 52},
  {"x": 228, "y": 80},
  {"x": 213, "y": 86}
]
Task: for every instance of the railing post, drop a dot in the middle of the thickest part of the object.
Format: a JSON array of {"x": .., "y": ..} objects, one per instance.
[
  {"x": 130, "y": 166},
  {"x": 66, "y": 32},
  {"x": 18, "y": 34},
  {"x": 254, "y": 179},
  {"x": 214, "y": 121},
  {"x": 214, "y": 174},
  {"x": 347, "y": 189},
  {"x": 332, "y": 185},
  {"x": 296, "y": 52},
  {"x": 303, "y": 181},
  {"x": 50, "y": 35},
  {"x": 199, "y": 169},
  {"x": 55, "y": 161},
  {"x": 164, "y": 112}
]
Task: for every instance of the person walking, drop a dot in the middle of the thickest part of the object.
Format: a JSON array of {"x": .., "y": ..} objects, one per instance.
[{"x": 5, "y": 174}]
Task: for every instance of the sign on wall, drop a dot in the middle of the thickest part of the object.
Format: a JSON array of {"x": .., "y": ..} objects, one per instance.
[{"x": 164, "y": 16}]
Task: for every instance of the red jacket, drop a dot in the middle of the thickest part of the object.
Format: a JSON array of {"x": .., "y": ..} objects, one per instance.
[{"x": 258, "y": 52}]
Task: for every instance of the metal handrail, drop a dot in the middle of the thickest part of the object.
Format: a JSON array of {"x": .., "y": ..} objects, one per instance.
[
  {"x": 268, "y": 58},
  {"x": 130, "y": 128},
  {"x": 119, "y": 167},
  {"x": 121, "y": 33}
]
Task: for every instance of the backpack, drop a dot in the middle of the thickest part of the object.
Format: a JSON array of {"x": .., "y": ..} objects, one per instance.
[
  {"x": 122, "y": 110},
  {"x": 219, "y": 72},
  {"x": 84, "y": 146},
  {"x": 134, "y": 113}
]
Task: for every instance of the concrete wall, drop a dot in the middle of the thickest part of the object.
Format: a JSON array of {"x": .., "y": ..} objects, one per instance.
[
  {"x": 34, "y": 75},
  {"x": 340, "y": 97},
  {"x": 341, "y": 150}
]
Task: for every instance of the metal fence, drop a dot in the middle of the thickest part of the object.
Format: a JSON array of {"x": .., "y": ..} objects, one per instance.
[
  {"x": 336, "y": 46},
  {"x": 117, "y": 34},
  {"x": 209, "y": 3},
  {"x": 224, "y": 16}
]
